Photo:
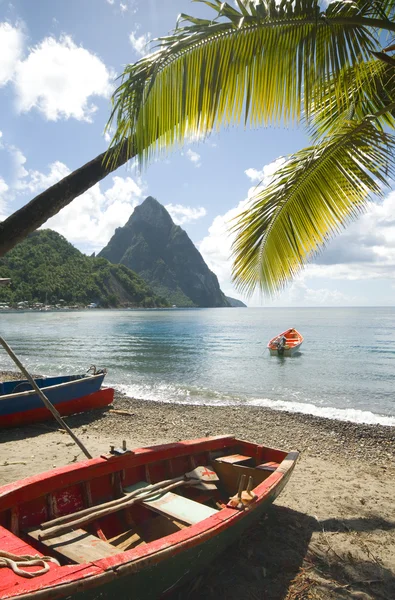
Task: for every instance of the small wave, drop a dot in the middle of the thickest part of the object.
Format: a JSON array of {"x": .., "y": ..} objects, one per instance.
[
  {"x": 339, "y": 414},
  {"x": 170, "y": 394}
]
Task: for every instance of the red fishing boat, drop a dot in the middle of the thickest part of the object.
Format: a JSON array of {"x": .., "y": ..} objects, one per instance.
[
  {"x": 286, "y": 343},
  {"x": 134, "y": 524}
]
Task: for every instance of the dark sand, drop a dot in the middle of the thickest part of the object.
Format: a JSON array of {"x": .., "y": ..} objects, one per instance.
[{"x": 330, "y": 535}]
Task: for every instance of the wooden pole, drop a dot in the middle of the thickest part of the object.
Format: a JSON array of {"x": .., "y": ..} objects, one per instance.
[{"x": 43, "y": 397}]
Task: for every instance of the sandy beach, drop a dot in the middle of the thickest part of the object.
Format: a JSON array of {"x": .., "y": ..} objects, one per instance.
[{"x": 330, "y": 534}]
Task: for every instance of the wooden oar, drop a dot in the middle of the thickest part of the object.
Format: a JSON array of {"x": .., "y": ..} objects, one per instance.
[
  {"x": 196, "y": 476},
  {"x": 85, "y": 516},
  {"x": 118, "y": 501},
  {"x": 59, "y": 529}
]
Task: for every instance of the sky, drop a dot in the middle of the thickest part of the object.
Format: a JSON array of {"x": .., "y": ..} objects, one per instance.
[{"x": 58, "y": 67}]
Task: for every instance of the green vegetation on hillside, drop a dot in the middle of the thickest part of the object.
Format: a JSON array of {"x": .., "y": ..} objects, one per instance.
[{"x": 46, "y": 268}]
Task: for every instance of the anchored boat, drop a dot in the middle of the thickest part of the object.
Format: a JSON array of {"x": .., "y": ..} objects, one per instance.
[
  {"x": 286, "y": 344},
  {"x": 21, "y": 404},
  {"x": 134, "y": 524}
]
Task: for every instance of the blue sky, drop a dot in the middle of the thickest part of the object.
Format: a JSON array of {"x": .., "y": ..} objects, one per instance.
[{"x": 58, "y": 63}]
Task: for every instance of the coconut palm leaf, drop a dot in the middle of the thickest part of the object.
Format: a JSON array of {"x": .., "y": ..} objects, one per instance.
[
  {"x": 367, "y": 88},
  {"x": 381, "y": 8},
  {"x": 262, "y": 63},
  {"x": 312, "y": 197}
]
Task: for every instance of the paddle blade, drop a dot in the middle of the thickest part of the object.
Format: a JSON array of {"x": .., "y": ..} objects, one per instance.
[
  {"x": 203, "y": 474},
  {"x": 202, "y": 485}
]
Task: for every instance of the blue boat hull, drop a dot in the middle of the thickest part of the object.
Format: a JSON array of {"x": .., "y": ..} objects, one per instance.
[{"x": 18, "y": 396}]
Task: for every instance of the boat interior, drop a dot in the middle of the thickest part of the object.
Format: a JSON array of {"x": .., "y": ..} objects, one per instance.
[
  {"x": 292, "y": 339},
  {"x": 123, "y": 500}
]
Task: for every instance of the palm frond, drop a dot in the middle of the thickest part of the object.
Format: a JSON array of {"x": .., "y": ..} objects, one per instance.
[
  {"x": 316, "y": 193},
  {"x": 262, "y": 63},
  {"x": 379, "y": 8},
  {"x": 367, "y": 88}
]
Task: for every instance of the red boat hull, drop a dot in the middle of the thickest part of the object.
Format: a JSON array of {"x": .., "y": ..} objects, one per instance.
[
  {"x": 99, "y": 399},
  {"x": 144, "y": 572}
]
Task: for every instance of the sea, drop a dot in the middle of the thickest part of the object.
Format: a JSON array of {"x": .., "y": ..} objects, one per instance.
[{"x": 345, "y": 369}]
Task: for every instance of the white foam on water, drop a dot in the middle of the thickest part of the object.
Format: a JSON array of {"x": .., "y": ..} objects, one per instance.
[
  {"x": 170, "y": 394},
  {"x": 339, "y": 414}
]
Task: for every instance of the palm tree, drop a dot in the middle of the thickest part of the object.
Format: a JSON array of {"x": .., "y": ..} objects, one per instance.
[{"x": 264, "y": 62}]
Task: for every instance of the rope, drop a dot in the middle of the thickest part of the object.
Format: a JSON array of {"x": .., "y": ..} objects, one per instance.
[{"x": 14, "y": 562}]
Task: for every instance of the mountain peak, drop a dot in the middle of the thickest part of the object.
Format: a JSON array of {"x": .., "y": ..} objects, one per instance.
[
  {"x": 151, "y": 211},
  {"x": 162, "y": 253}
]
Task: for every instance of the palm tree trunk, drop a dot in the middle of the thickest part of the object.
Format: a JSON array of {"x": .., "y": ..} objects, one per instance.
[{"x": 31, "y": 216}]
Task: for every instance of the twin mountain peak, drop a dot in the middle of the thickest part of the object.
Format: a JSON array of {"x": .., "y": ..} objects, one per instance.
[{"x": 161, "y": 252}]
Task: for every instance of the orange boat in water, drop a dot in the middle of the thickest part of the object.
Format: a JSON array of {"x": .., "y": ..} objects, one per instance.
[{"x": 286, "y": 343}]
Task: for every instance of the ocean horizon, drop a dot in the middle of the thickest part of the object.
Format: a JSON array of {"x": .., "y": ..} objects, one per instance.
[{"x": 345, "y": 369}]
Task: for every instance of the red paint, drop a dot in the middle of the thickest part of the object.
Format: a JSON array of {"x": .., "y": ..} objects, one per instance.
[
  {"x": 207, "y": 473},
  {"x": 99, "y": 399},
  {"x": 67, "y": 500}
]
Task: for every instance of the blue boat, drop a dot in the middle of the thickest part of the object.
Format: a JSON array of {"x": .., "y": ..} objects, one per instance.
[{"x": 20, "y": 404}]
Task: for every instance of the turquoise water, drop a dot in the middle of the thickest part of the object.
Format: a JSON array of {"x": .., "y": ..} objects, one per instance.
[{"x": 345, "y": 370}]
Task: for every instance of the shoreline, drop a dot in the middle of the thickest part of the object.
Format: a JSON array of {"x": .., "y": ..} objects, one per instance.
[
  {"x": 153, "y": 420},
  {"x": 303, "y": 432},
  {"x": 331, "y": 531}
]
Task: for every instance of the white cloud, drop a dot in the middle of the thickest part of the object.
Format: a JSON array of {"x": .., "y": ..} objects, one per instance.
[
  {"x": 35, "y": 181},
  {"x": 299, "y": 294},
  {"x": 194, "y": 157},
  {"x": 18, "y": 162},
  {"x": 216, "y": 247},
  {"x": 139, "y": 42},
  {"x": 90, "y": 220},
  {"x": 3, "y": 186},
  {"x": 127, "y": 5},
  {"x": 185, "y": 214},
  {"x": 11, "y": 44},
  {"x": 3, "y": 199},
  {"x": 365, "y": 250},
  {"x": 58, "y": 78},
  {"x": 254, "y": 174},
  {"x": 123, "y": 189},
  {"x": 266, "y": 173}
]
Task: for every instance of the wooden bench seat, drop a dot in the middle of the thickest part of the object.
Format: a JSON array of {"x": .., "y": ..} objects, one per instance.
[
  {"x": 268, "y": 466},
  {"x": 77, "y": 545},
  {"x": 236, "y": 459},
  {"x": 175, "y": 506}
]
